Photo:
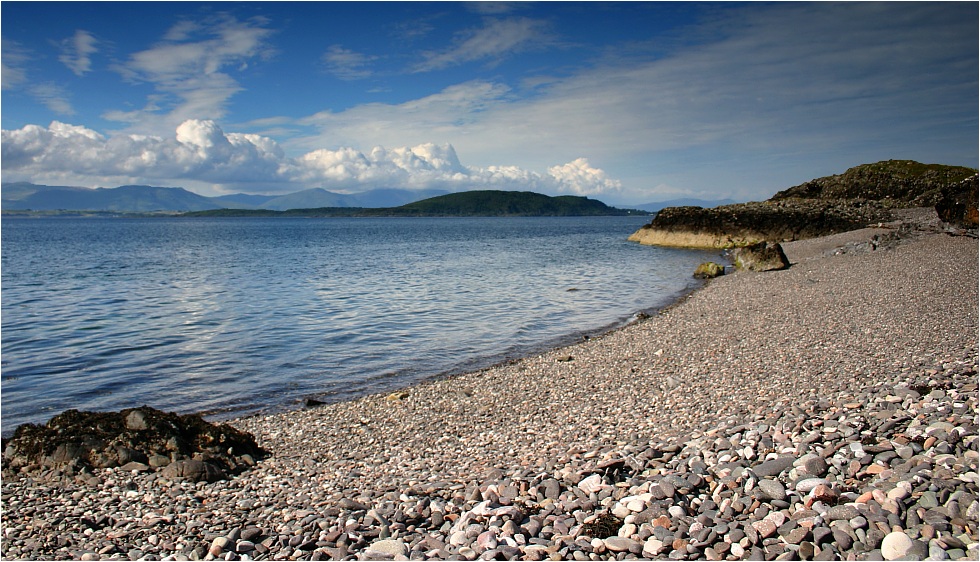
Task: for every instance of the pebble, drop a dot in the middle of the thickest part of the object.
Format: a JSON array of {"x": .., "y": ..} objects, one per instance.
[
  {"x": 620, "y": 544},
  {"x": 772, "y": 490},
  {"x": 896, "y": 546},
  {"x": 390, "y": 547}
]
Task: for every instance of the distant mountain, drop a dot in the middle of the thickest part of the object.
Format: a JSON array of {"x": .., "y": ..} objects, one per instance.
[
  {"x": 131, "y": 198},
  {"x": 683, "y": 202},
  {"x": 242, "y": 200},
  {"x": 377, "y": 198},
  {"x": 15, "y": 191},
  {"x": 29, "y": 196},
  {"x": 308, "y": 199}
]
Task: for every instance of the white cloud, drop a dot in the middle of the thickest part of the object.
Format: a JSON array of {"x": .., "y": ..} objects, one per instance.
[
  {"x": 53, "y": 96},
  {"x": 13, "y": 58},
  {"x": 202, "y": 152},
  {"x": 77, "y": 51},
  {"x": 346, "y": 64},
  {"x": 499, "y": 38},
  {"x": 190, "y": 70},
  {"x": 579, "y": 177}
]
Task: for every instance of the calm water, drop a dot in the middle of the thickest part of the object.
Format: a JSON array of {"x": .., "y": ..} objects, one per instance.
[{"x": 233, "y": 316}]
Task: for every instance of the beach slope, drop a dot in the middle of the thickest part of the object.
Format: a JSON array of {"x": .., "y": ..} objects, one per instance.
[{"x": 825, "y": 411}]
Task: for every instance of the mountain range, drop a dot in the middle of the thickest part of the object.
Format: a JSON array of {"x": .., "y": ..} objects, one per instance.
[
  {"x": 144, "y": 198},
  {"x": 25, "y": 196}
]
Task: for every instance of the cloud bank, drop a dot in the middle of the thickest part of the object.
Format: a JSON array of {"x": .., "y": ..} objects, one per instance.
[{"x": 201, "y": 151}]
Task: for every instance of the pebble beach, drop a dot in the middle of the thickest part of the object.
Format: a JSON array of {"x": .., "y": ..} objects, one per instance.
[{"x": 824, "y": 412}]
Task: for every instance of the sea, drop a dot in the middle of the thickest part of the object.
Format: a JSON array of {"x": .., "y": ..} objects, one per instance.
[{"x": 235, "y": 316}]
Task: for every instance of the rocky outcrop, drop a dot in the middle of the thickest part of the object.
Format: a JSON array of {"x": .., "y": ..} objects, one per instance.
[
  {"x": 742, "y": 224},
  {"x": 861, "y": 196},
  {"x": 185, "y": 446},
  {"x": 902, "y": 183}
]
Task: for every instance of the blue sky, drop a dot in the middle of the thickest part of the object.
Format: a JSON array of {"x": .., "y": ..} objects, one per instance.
[{"x": 624, "y": 102}]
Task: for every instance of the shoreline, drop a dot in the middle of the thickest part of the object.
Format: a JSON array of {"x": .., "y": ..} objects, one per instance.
[
  {"x": 658, "y": 439},
  {"x": 470, "y": 366}
]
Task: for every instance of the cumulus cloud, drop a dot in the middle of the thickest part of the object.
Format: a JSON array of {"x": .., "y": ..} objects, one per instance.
[
  {"x": 202, "y": 151},
  {"x": 77, "y": 51},
  {"x": 579, "y": 177}
]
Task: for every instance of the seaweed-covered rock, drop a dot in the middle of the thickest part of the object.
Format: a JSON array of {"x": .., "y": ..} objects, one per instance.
[
  {"x": 75, "y": 439},
  {"x": 709, "y": 270}
]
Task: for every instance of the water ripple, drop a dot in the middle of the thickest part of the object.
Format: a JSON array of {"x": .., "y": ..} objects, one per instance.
[{"x": 233, "y": 316}]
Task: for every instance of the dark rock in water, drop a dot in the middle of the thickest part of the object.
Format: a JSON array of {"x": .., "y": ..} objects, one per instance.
[
  {"x": 75, "y": 439},
  {"x": 764, "y": 256},
  {"x": 709, "y": 270}
]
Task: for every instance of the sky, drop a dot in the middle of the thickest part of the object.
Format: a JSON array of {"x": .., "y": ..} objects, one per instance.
[{"x": 622, "y": 102}]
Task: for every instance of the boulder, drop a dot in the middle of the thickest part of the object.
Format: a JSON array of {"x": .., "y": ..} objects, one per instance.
[
  {"x": 709, "y": 270},
  {"x": 193, "y": 470},
  {"x": 957, "y": 204},
  {"x": 764, "y": 256}
]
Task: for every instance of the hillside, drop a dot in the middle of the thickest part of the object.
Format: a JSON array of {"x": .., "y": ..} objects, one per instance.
[
  {"x": 506, "y": 203},
  {"x": 463, "y": 204}
]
